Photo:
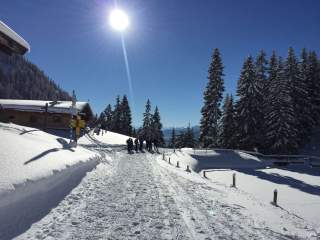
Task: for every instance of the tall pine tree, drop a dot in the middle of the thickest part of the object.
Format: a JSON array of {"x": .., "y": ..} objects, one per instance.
[
  {"x": 280, "y": 119},
  {"x": 248, "y": 108},
  {"x": 261, "y": 94},
  {"x": 125, "y": 117},
  {"x": 299, "y": 93},
  {"x": 211, "y": 113},
  {"x": 189, "y": 140},
  {"x": 228, "y": 123},
  {"x": 305, "y": 119},
  {"x": 314, "y": 86},
  {"x": 108, "y": 117},
  {"x": 147, "y": 122},
  {"x": 116, "y": 118},
  {"x": 172, "y": 143},
  {"x": 157, "y": 127}
]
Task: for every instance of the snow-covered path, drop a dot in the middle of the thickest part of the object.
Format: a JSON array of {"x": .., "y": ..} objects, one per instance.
[{"x": 133, "y": 197}]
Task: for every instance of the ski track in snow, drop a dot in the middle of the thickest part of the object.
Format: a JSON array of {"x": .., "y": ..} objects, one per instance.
[{"x": 133, "y": 197}]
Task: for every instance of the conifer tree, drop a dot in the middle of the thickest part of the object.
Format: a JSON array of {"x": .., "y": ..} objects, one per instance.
[
  {"x": 261, "y": 94},
  {"x": 273, "y": 76},
  {"x": 280, "y": 119},
  {"x": 116, "y": 118},
  {"x": 211, "y": 113},
  {"x": 314, "y": 86},
  {"x": 299, "y": 92},
  {"x": 147, "y": 122},
  {"x": 108, "y": 117},
  {"x": 101, "y": 120},
  {"x": 304, "y": 115},
  {"x": 186, "y": 138},
  {"x": 172, "y": 142},
  {"x": 157, "y": 127},
  {"x": 125, "y": 117},
  {"x": 134, "y": 133},
  {"x": 228, "y": 123},
  {"x": 248, "y": 108},
  {"x": 189, "y": 140}
]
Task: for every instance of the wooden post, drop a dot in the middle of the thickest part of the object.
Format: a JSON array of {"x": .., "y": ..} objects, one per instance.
[
  {"x": 204, "y": 174},
  {"x": 178, "y": 164},
  {"x": 188, "y": 169},
  {"x": 233, "y": 180},
  {"x": 275, "y": 197},
  {"x": 169, "y": 161},
  {"x": 162, "y": 156}
]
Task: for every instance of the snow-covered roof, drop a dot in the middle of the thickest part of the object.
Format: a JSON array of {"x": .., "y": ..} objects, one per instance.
[
  {"x": 5, "y": 29},
  {"x": 39, "y": 105}
]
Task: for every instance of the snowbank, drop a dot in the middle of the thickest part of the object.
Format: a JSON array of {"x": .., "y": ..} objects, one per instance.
[
  {"x": 208, "y": 159},
  {"x": 37, "y": 170},
  {"x": 298, "y": 193},
  {"x": 298, "y": 185},
  {"x": 105, "y": 137},
  {"x": 275, "y": 219},
  {"x": 31, "y": 154}
]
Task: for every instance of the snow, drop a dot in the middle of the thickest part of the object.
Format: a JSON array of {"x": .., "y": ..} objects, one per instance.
[
  {"x": 298, "y": 185},
  {"x": 13, "y": 35},
  {"x": 36, "y": 168},
  {"x": 206, "y": 159},
  {"x": 38, "y": 105},
  {"x": 104, "y": 137},
  {"x": 33, "y": 154},
  {"x": 140, "y": 196},
  {"x": 297, "y": 193}
]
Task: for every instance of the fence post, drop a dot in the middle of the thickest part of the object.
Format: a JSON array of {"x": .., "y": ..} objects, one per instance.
[
  {"x": 169, "y": 161},
  {"x": 233, "y": 180},
  {"x": 204, "y": 174},
  {"x": 275, "y": 197},
  {"x": 162, "y": 156},
  {"x": 178, "y": 164},
  {"x": 188, "y": 169}
]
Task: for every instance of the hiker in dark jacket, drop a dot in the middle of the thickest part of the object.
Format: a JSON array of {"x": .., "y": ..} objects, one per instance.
[
  {"x": 136, "y": 143},
  {"x": 129, "y": 145}
]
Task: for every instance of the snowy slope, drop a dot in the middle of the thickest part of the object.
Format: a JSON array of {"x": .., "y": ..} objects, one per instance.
[
  {"x": 36, "y": 169},
  {"x": 30, "y": 154},
  {"x": 207, "y": 159},
  {"x": 298, "y": 185},
  {"x": 105, "y": 137}
]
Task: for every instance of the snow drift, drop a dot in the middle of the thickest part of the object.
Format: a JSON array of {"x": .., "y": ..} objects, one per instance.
[
  {"x": 104, "y": 137},
  {"x": 298, "y": 185},
  {"x": 37, "y": 170}
]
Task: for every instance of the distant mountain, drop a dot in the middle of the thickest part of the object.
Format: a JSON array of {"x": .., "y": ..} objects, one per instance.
[
  {"x": 21, "y": 79},
  {"x": 167, "y": 131}
]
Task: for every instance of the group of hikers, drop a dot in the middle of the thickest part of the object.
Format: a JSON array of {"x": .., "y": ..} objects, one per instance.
[{"x": 138, "y": 145}]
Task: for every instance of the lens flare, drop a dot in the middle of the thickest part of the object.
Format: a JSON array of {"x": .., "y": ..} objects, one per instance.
[{"x": 118, "y": 20}]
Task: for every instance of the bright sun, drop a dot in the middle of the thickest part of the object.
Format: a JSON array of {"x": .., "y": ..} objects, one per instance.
[{"x": 118, "y": 20}]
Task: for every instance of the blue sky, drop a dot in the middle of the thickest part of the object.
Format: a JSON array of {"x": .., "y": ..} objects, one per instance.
[{"x": 169, "y": 45}]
